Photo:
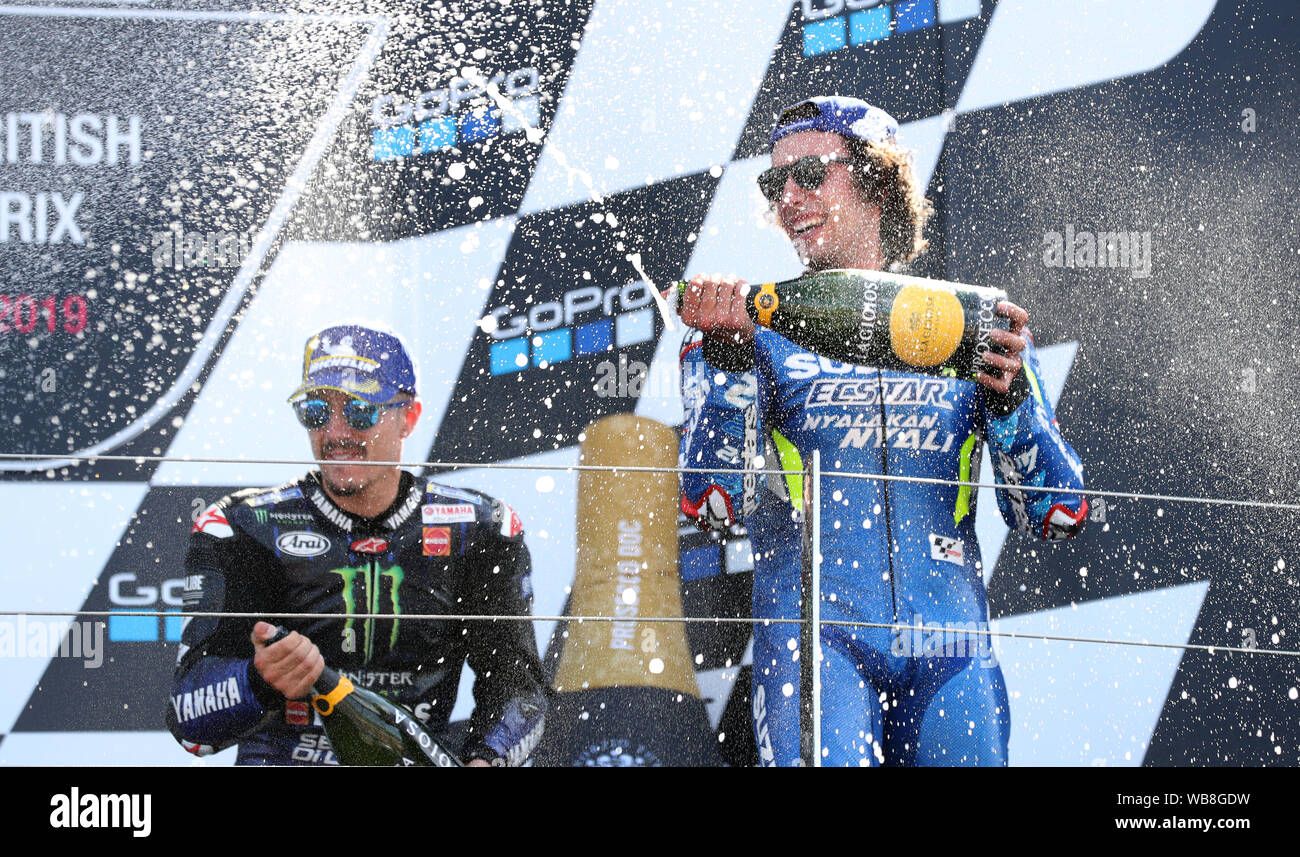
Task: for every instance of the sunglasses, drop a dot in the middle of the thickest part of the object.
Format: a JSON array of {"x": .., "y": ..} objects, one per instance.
[
  {"x": 808, "y": 172},
  {"x": 358, "y": 414}
]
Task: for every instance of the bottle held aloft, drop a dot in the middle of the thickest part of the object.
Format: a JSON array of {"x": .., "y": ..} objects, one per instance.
[
  {"x": 367, "y": 730},
  {"x": 878, "y": 318}
]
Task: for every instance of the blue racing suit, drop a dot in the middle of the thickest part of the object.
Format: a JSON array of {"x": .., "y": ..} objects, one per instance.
[{"x": 892, "y": 551}]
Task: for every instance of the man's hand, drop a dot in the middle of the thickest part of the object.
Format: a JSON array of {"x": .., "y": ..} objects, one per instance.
[
  {"x": 291, "y": 666},
  {"x": 716, "y": 306},
  {"x": 477, "y": 763},
  {"x": 1013, "y": 341}
]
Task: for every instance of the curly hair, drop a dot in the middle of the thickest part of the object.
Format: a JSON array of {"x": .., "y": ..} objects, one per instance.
[{"x": 885, "y": 176}]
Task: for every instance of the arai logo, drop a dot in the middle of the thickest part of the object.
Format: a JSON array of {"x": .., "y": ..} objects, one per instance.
[{"x": 302, "y": 543}]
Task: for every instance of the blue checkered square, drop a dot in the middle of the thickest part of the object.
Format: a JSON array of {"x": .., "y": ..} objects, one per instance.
[
  {"x": 633, "y": 327},
  {"x": 870, "y": 25},
  {"x": 554, "y": 346},
  {"x": 915, "y": 15},
  {"x": 822, "y": 37},
  {"x": 437, "y": 134},
  {"x": 388, "y": 144},
  {"x": 509, "y": 356},
  {"x": 479, "y": 124},
  {"x": 592, "y": 337},
  {"x": 133, "y": 629}
]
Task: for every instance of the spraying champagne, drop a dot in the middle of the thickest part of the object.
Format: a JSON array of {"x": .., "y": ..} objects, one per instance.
[{"x": 882, "y": 319}]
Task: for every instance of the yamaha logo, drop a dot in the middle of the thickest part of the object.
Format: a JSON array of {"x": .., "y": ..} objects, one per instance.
[{"x": 302, "y": 543}]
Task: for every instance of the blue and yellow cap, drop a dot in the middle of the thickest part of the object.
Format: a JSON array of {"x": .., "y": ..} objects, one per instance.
[{"x": 370, "y": 364}]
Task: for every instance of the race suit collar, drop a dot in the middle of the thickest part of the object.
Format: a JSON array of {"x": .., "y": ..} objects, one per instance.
[{"x": 409, "y": 494}]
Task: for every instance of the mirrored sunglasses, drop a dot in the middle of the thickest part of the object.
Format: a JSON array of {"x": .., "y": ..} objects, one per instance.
[
  {"x": 357, "y": 413},
  {"x": 808, "y": 172}
]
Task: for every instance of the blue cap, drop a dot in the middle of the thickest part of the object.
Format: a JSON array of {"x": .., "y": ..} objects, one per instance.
[
  {"x": 360, "y": 361},
  {"x": 849, "y": 117}
]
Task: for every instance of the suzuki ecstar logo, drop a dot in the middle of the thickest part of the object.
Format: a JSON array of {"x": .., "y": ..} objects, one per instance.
[{"x": 302, "y": 543}]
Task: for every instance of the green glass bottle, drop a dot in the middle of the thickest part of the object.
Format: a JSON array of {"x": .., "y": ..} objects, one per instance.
[
  {"x": 367, "y": 730},
  {"x": 878, "y": 318}
]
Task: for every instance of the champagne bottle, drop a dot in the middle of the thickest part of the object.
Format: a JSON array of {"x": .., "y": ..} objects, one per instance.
[
  {"x": 367, "y": 730},
  {"x": 878, "y": 318},
  {"x": 625, "y": 691}
]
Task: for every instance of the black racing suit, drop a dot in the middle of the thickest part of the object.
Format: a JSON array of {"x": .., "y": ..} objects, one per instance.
[{"x": 437, "y": 550}]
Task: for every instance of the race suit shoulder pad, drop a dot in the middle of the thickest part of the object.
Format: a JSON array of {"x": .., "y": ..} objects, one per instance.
[
  {"x": 445, "y": 504},
  {"x": 255, "y": 509}
]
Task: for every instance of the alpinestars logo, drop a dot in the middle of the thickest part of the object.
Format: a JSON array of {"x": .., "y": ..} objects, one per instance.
[
  {"x": 213, "y": 522},
  {"x": 373, "y": 545}
]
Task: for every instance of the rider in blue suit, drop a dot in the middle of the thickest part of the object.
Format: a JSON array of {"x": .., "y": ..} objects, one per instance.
[{"x": 892, "y": 551}]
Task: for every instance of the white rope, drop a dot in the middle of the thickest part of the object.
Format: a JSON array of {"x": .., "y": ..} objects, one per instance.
[
  {"x": 569, "y": 468},
  {"x": 450, "y": 465},
  {"x": 694, "y": 620}
]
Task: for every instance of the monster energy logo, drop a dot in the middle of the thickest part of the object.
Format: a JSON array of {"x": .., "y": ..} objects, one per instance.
[
  {"x": 370, "y": 580},
  {"x": 261, "y": 515}
]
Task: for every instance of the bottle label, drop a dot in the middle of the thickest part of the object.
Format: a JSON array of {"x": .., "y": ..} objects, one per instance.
[
  {"x": 925, "y": 325},
  {"x": 867, "y": 320}
]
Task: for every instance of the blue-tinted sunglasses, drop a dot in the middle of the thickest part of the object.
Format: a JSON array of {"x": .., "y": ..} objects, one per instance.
[{"x": 357, "y": 413}]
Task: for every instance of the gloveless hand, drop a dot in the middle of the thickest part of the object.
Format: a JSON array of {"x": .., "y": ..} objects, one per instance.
[
  {"x": 291, "y": 665},
  {"x": 716, "y": 306},
  {"x": 1013, "y": 341}
]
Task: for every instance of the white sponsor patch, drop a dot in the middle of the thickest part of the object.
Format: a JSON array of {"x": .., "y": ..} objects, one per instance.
[
  {"x": 947, "y": 550},
  {"x": 302, "y": 543},
  {"x": 445, "y": 513},
  {"x": 511, "y": 526}
]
